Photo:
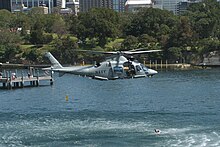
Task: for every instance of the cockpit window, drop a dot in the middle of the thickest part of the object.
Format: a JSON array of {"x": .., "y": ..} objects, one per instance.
[
  {"x": 138, "y": 68},
  {"x": 97, "y": 64},
  {"x": 144, "y": 67}
]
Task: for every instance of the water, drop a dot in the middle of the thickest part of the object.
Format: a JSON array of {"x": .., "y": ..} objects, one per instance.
[{"x": 184, "y": 105}]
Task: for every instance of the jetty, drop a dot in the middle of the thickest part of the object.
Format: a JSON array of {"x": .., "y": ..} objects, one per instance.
[{"x": 10, "y": 80}]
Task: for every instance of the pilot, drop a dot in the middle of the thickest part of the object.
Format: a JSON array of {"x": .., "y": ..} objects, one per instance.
[
  {"x": 157, "y": 131},
  {"x": 109, "y": 64}
]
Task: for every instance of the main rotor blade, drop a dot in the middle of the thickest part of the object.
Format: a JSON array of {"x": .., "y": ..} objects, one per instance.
[
  {"x": 140, "y": 52},
  {"x": 120, "y": 52},
  {"x": 98, "y": 52}
]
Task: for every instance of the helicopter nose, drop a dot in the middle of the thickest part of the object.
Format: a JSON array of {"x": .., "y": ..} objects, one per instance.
[{"x": 152, "y": 72}]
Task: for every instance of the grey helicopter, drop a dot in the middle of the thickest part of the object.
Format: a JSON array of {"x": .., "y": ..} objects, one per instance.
[{"x": 117, "y": 66}]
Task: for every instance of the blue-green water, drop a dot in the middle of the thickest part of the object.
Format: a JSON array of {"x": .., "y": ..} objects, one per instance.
[{"x": 184, "y": 105}]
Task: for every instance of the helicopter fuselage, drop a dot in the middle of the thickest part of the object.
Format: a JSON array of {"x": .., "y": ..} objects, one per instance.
[
  {"x": 112, "y": 69},
  {"x": 117, "y": 67}
]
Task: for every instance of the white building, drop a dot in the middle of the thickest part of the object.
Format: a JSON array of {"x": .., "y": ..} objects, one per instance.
[
  {"x": 74, "y": 5},
  {"x": 68, "y": 6},
  {"x": 135, "y": 5}
]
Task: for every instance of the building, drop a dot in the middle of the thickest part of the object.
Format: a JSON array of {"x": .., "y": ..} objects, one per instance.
[
  {"x": 119, "y": 5},
  {"x": 85, "y": 5},
  {"x": 25, "y": 5},
  {"x": 5, "y": 4},
  {"x": 176, "y": 6},
  {"x": 183, "y": 5},
  {"x": 68, "y": 6},
  {"x": 73, "y": 5},
  {"x": 135, "y": 5},
  {"x": 170, "y": 5}
]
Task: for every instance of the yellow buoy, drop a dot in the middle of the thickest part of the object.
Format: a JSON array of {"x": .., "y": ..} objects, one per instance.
[{"x": 67, "y": 98}]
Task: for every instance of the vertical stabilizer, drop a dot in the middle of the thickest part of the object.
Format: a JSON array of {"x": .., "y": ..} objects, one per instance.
[{"x": 55, "y": 63}]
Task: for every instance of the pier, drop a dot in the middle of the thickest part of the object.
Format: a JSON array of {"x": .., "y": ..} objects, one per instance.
[
  {"x": 165, "y": 65},
  {"x": 9, "y": 80}
]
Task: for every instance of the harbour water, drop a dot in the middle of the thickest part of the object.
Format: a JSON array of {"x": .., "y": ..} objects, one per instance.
[{"x": 77, "y": 111}]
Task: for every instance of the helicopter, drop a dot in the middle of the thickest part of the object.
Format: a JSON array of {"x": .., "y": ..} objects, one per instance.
[{"x": 120, "y": 65}]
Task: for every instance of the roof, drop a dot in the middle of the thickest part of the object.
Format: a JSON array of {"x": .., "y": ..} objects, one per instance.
[{"x": 138, "y": 2}]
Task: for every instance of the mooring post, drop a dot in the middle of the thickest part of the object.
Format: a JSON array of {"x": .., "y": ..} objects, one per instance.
[
  {"x": 16, "y": 73},
  {"x": 166, "y": 64},
  {"x": 7, "y": 76},
  {"x": 37, "y": 77},
  {"x": 33, "y": 72},
  {"x": 9, "y": 83},
  {"x": 51, "y": 76},
  {"x": 4, "y": 74},
  {"x": 22, "y": 79}
]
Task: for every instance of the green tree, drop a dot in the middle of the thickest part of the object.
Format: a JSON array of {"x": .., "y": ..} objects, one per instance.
[
  {"x": 209, "y": 44},
  {"x": 99, "y": 23},
  {"x": 51, "y": 20},
  {"x": 174, "y": 54},
  {"x": 36, "y": 36},
  {"x": 64, "y": 50},
  {"x": 72, "y": 23},
  {"x": 205, "y": 18},
  {"x": 151, "y": 21},
  {"x": 32, "y": 55},
  {"x": 22, "y": 21},
  {"x": 146, "y": 41},
  {"x": 36, "y": 10},
  {"x": 59, "y": 27},
  {"x": 9, "y": 45},
  {"x": 182, "y": 35},
  {"x": 129, "y": 43},
  {"x": 6, "y": 19}
]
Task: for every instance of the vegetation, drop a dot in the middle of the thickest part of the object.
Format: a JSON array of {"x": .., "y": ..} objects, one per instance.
[{"x": 185, "y": 38}]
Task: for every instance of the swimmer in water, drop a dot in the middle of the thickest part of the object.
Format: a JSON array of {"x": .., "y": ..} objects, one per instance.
[{"x": 157, "y": 131}]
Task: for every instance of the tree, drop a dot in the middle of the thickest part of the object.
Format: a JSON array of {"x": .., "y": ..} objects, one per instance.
[
  {"x": 99, "y": 23},
  {"x": 64, "y": 50},
  {"x": 37, "y": 10},
  {"x": 129, "y": 43},
  {"x": 204, "y": 18},
  {"x": 209, "y": 44},
  {"x": 22, "y": 21},
  {"x": 9, "y": 45},
  {"x": 182, "y": 35},
  {"x": 146, "y": 41},
  {"x": 59, "y": 27},
  {"x": 36, "y": 36},
  {"x": 32, "y": 55},
  {"x": 72, "y": 22},
  {"x": 6, "y": 19},
  {"x": 151, "y": 21},
  {"x": 52, "y": 20},
  {"x": 174, "y": 53}
]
